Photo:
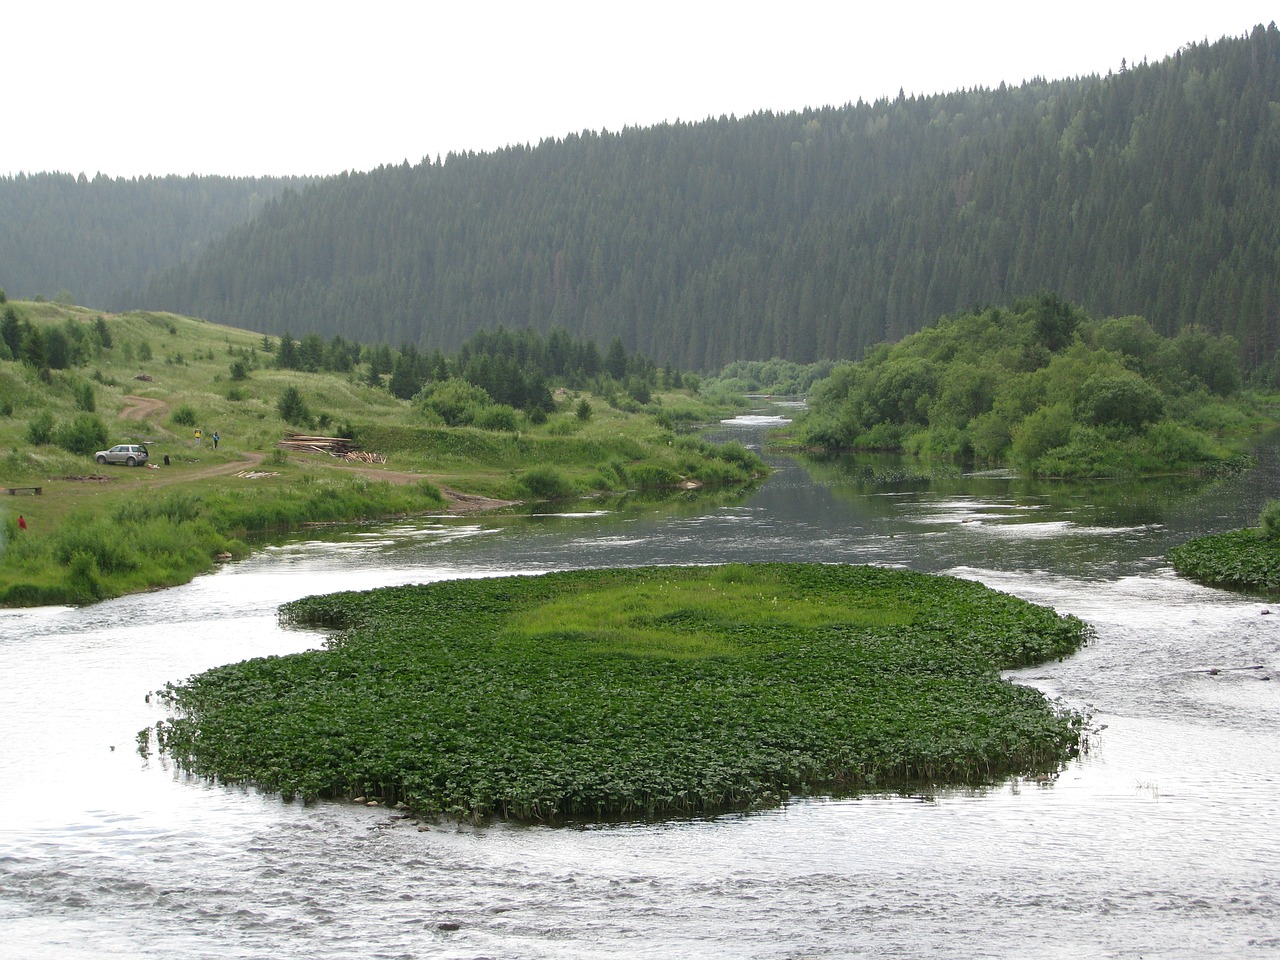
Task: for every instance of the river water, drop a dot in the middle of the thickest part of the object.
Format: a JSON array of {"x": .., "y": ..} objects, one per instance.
[{"x": 1163, "y": 840}]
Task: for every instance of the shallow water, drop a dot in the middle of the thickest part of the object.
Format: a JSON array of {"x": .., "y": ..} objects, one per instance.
[{"x": 1162, "y": 841}]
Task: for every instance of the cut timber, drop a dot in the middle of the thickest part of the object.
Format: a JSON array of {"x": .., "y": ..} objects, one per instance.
[{"x": 343, "y": 447}]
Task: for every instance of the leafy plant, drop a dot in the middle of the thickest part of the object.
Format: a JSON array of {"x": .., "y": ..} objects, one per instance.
[{"x": 636, "y": 693}]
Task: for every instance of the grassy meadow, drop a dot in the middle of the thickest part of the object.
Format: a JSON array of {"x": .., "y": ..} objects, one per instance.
[
  {"x": 635, "y": 693},
  {"x": 155, "y": 378}
]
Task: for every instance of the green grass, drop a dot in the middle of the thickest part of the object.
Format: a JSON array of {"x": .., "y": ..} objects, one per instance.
[
  {"x": 183, "y": 367},
  {"x": 636, "y": 693}
]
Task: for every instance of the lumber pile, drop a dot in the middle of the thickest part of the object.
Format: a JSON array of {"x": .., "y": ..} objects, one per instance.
[
  {"x": 342, "y": 447},
  {"x": 332, "y": 445}
]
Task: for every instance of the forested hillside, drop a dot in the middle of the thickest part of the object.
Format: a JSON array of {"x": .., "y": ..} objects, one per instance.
[
  {"x": 807, "y": 236},
  {"x": 95, "y": 239}
]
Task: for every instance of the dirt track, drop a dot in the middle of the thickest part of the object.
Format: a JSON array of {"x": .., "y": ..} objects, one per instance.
[{"x": 142, "y": 408}]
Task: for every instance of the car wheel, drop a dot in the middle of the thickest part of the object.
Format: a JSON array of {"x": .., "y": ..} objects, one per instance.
[
  {"x": 102, "y": 459},
  {"x": 131, "y": 462}
]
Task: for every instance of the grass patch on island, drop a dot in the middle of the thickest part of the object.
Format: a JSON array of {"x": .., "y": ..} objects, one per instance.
[{"x": 636, "y": 692}]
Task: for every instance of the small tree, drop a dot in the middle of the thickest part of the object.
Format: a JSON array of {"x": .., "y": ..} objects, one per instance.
[
  {"x": 40, "y": 428},
  {"x": 292, "y": 408}
]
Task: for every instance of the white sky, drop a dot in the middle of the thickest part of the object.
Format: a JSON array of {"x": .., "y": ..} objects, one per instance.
[{"x": 276, "y": 87}]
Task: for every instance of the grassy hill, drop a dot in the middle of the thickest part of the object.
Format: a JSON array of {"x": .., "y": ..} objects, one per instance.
[{"x": 155, "y": 378}]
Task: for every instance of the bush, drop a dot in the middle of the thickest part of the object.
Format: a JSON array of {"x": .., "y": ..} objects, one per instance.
[
  {"x": 1269, "y": 520},
  {"x": 1046, "y": 429},
  {"x": 499, "y": 418},
  {"x": 85, "y": 435},
  {"x": 1125, "y": 401},
  {"x": 454, "y": 401},
  {"x": 183, "y": 416},
  {"x": 40, "y": 428},
  {"x": 84, "y": 397},
  {"x": 546, "y": 483},
  {"x": 648, "y": 476}
]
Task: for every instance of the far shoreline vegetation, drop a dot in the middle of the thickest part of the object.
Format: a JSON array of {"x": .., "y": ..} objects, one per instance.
[
  {"x": 513, "y": 417},
  {"x": 1045, "y": 389},
  {"x": 1246, "y": 560},
  {"x": 518, "y": 416},
  {"x": 636, "y": 693}
]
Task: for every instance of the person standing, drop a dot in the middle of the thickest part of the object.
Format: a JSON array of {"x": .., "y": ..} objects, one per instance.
[
  {"x": 215, "y": 439},
  {"x": 197, "y": 435},
  {"x": 22, "y": 522}
]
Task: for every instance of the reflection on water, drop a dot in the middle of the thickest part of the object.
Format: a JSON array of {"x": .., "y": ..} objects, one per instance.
[{"x": 1161, "y": 841}]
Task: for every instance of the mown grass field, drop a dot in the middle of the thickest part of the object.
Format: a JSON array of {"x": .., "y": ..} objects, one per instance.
[{"x": 636, "y": 693}]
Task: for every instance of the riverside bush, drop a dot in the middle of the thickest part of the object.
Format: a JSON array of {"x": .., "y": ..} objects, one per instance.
[
  {"x": 635, "y": 693},
  {"x": 546, "y": 483}
]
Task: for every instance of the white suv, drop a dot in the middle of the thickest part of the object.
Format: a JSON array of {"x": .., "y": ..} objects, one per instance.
[{"x": 130, "y": 454}]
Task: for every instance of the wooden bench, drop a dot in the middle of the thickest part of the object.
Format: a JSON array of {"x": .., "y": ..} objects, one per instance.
[{"x": 34, "y": 491}]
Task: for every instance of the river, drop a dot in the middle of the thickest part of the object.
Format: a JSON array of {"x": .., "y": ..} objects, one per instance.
[{"x": 1162, "y": 840}]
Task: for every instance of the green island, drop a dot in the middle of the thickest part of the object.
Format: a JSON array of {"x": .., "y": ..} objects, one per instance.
[
  {"x": 1244, "y": 560},
  {"x": 635, "y": 693},
  {"x": 420, "y": 434}
]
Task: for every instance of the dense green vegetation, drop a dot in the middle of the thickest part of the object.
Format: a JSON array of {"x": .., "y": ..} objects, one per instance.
[
  {"x": 1247, "y": 560},
  {"x": 636, "y": 692},
  {"x": 89, "y": 239},
  {"x": 1042, "y": 386},
  {"x": 73, "y": 382},
  {"x": 808, "y": 235}
]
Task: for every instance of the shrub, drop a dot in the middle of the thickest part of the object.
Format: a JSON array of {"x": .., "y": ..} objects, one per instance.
[
  {"x": 40, "y": 428},
  {"x": 1269, "y": 520},
  {"x": 85, "y": 434},
  {"x": 84, "y": 397},
  {"x": 499, "y": 417},
  {"x": 183, "y": 416},
  {"x": 650, "y": 476},
  {"x": 1125, "y": 401},
  {"x": 1045, "y": 429},
  {"x": 546, "y": 483},
  {"x": 454, "y": 401}
]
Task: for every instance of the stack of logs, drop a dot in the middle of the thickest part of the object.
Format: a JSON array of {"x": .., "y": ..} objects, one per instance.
[{"x": 341, "y": 447}]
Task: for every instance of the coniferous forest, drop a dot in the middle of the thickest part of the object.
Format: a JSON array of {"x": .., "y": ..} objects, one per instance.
[
  {"x": 103, "y": 238},
  {"x": 813, "y": 235}
]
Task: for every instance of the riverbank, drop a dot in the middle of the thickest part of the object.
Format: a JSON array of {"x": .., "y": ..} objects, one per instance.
[{"x": 211, "y": 408}]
